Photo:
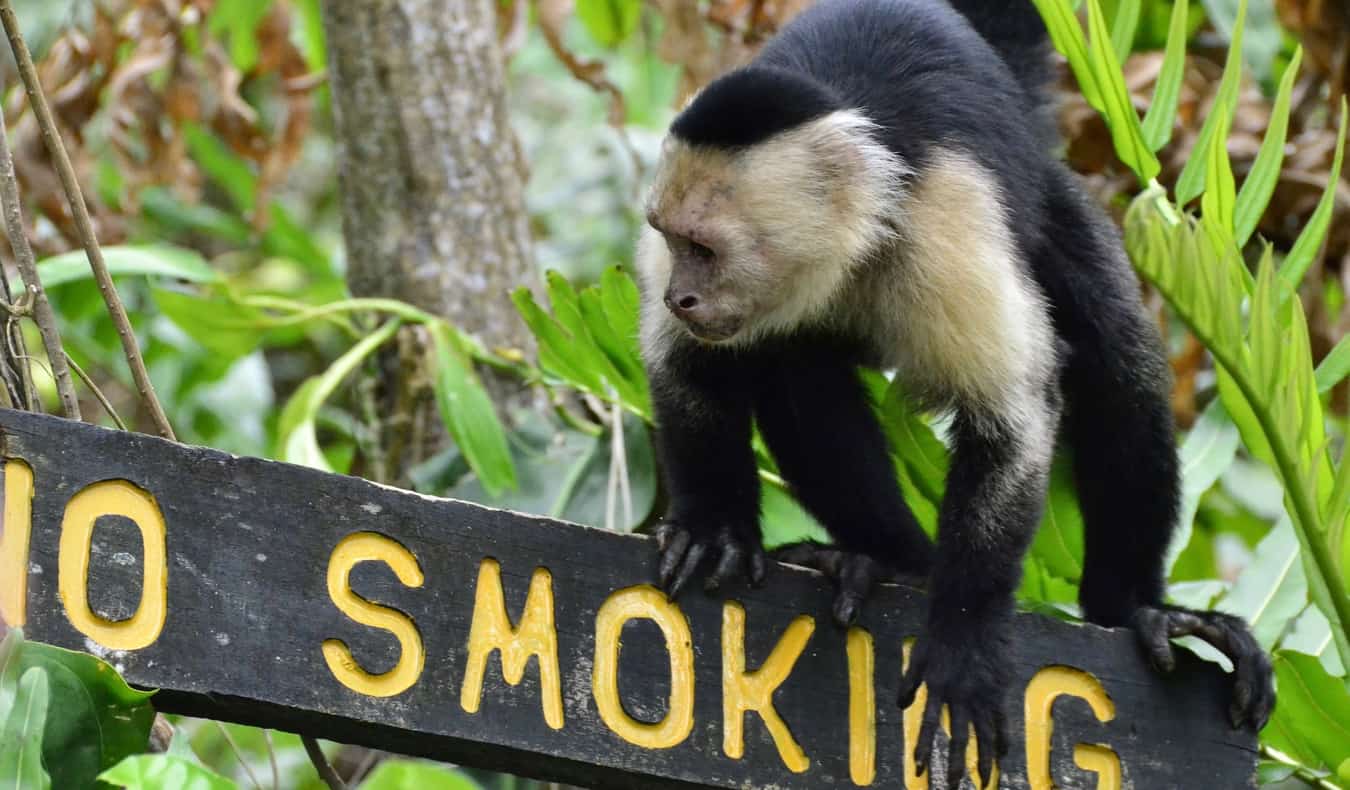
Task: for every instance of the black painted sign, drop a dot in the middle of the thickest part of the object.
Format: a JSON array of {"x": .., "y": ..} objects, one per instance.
[{"x": 277, "y": 595}]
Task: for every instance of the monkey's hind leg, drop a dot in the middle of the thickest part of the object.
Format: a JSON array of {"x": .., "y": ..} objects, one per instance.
[{"x": 816, "y": 420}]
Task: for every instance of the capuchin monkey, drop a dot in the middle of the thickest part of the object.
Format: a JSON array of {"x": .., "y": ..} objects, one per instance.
[{"x": 879, "y": 187}]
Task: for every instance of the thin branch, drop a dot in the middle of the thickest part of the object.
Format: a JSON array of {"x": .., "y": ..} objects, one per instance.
[
  {"x": 80, "y": 213},
  {"x": 98, "y": 393},
  {"x": 272, "y": 758},
  {"x": 23, "y": 256},
  {"x": 238, "y": 755},
  {"x": 326, "y": 772}
]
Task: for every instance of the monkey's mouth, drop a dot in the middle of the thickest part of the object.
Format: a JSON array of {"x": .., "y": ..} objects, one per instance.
[{"x": 713, "y": 332}]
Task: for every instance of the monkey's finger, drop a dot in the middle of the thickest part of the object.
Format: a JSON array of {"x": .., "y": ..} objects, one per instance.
[
  {"x": 956, "y": 746},
  {"x": 985, "y": 744},
  {"x": 912, "y": 679},
  {"x": 663, "y": 533},
  {"x": 692, "y": 558},
  {"x": 846, "y": 606},
  {"x": 727, "y": 566},
  {"x": 758, "y": 566},
  {"x": 672, "y": 553},
  {"x": 1152, "y": 627},
  {"x": 923, "y": 750},
  {"x": 1002, "y": 738}
]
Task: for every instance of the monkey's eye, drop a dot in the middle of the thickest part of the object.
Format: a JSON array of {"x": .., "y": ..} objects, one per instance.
[{"x": 701, "y": 252}]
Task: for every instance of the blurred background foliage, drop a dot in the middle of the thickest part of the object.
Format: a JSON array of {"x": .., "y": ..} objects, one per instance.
[{"x": 202, "y": 132}]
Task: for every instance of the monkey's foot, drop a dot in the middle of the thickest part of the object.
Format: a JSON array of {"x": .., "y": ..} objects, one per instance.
[
  {"x": 965, "y": 667},
  {"x": 854, "y": 575},
  {"x": 683, "y": 550},
  {"x": 1253, "y": 689}
]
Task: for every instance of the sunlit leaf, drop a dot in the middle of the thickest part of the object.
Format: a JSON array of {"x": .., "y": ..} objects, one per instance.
[
  {"x": 227, "y": 328},
  {"x": 1311, "y": 634},
  {"x": 1162, "y": 112},
  {"x": 1067, "y": 36},
  {"x": 609, "y": 21},
  {"x": 1309, "y": 242},
  {"x": 1272, "y": 590},
  {"x": 1265, "y": 171},
  {"x": 1126, "y": 133},
  {"x": 1313, "y": 706},
  {"x": 1058, "y": 543},
  {"x": 1123, "y": 28},
  {"x": 162, "y": 771},
  {"x": 1192, "y": 180},
  {"x": 155, "y": 260},
  {"x": 239, "y": 20},
  {"x": 913, "y": 441},
  {"x": 1207, "y": 452},
  {"x": 784, "y": 521},
  {"x": 469, "y": 416}
]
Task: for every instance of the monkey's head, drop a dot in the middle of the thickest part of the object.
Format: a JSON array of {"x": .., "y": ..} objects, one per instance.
[{"x": 766, "y": 195}]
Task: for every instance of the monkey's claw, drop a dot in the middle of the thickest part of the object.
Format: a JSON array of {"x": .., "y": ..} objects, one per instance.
[
  {"x": 1253, "y": 688},
  {"x": 683, "y": 551},
  {"x": 968, "y": 674},
  {"x": 854, "y": 575}
]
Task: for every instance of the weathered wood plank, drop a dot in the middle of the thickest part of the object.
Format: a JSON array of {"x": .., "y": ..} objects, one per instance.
[{"x": 240, "y": 606}]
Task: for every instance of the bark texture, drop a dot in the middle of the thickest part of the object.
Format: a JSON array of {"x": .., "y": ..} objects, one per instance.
[{"x": 431, "y": 177}]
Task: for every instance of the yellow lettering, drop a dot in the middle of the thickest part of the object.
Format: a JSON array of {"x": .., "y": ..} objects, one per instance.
[
  {"x": 914, "y": 721},
  {"x": 14, "y": 533},
  {"x": 535, "y": 636},
  {"x": 371, "y": 547},
  {"x": 745, "y": 691},
  {"x": 862, "y": 708},
  {"x": 1042, "y": 691},
  {"x": 113, "y": 498},
  {"x": 644, "y": 602}
]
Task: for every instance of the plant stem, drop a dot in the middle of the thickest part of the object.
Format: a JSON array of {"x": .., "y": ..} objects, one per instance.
[
  {"x": 83, "y": 225},
  {"x": 326, "y": 772},
  {"x": 23, "y": 257},
  {"x": 98, "y": 393}
]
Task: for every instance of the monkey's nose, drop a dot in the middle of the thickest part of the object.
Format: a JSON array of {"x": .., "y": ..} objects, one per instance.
[{"x": 682, "y": 304}]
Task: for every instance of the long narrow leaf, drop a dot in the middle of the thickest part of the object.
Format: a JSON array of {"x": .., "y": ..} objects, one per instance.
[
  {"x": 1334, "y": 367},
  {"x": 1162, "y": 112},
  {"x": 468, "y": 414},
  {"x": 1067, "y": 36},
  {"x": 1124, "y": 27},
  {"x": 1265, "y": 172},
  {"x": 1192, "y": 180},
  {"x": 1126, "y": 133},
  {"x": 1315, "y": 232}
]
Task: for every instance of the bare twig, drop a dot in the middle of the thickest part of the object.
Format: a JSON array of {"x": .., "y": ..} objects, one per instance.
[
  {"x": 326, "y": 772},
  {"x": 23, "y": 256},
  {"x": 272, "y": 759},
  {"x": 80, "y": 213},
  {"x": 238, "y": 755},
  {"x": 98, "y": 393}
]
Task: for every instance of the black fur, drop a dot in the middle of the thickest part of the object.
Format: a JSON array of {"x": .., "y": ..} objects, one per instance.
[{"x": 974, "y": 78}]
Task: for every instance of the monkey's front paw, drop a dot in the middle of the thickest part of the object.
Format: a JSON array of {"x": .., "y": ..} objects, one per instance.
[
  {"x": 1253, "y": 688},
  {"x": 854, "y": 575},
  {"x": 683, "y": 550},
  {"x": 968, "y": 673}
]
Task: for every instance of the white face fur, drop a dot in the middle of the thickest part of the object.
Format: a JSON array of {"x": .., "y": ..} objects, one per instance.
[{"x": 785, "y": 222}]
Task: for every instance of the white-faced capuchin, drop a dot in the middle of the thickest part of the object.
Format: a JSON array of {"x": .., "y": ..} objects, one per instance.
[{"x": 879, "y": 187}]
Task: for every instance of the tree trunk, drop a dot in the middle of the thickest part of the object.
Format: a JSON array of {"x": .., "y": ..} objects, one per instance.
[{"x": 430, "y": 174}]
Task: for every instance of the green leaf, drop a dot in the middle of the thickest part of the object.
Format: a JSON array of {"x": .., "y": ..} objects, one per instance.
[
  {"x": 155, "y": 260},
  {"x": 1334, "y": 367},
  {"x": 583, "y": 349},
  {"x": 173, "y": 215},
  {"x": 1162, "y": 112},
  {"x": 230, "y": 171},
  {"x": 21, "y": 736},
  {"x": 1058, "y": 543},
  {"x": 414, "y": 775},
  {"x": 785, "y": 521},
  {"x": 1192, "y": 180},
  {"x": 913, "y": 441},
  {"x": 609, "y": 22},
  {"x": 1207, "y": 452},
  {"x": 95, "y": 718},
  {"x": 468, "y": 414},
  {"x": 1067, "y": 36},
  {"x": 9, "y": 668},
  {"x": 1311, "y": 634},
  {"x": 226, "y": 328},
  {"x": 163, "y": 771},
  {"x": 1265, "y": 172},
  {"x": 1123, "y": 28},
  {"x": 1220, "y": 189},
  {"x": 1314, "y": 707},
  {"x": 1309, "y": 242},
  {"x": 1272, "y": 590},
  {"x": 1264, "y": 38},
  {"x": 1126, "y": 133},
  {"x": 556, "y": 354},
  {"x": 239, "y": 19},
  {"x": 621, "y": 300}
]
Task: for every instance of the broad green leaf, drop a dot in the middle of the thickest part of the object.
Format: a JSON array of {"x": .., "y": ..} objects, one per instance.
[
  {"x": 1126, "y": 133},
  {"x": 1162, "y": 112},
  {"x": 619, "y": 295},
  {"x": 1058, "y": 543},
  {"x": 1265, "y": 172},
  {"x": 1313, "y": 706},
  {"x": 617, "y": 350},
  {"x": 21, "y": 735},
  {"x": 1309, "y": 242},
  {"x": 1272, "y": 590},
  {"x": 95, "y": 718},
  {"x": 230, "y": 171},
  {"x": 555, "y": 353},
  {"x": 404, "y": 774},
  {"x": 469, "y": 416},
  {"x": 609, "y": 22},
  {"x": 785, "y": 521},
  {"x": 1207, "y": 452},
  {"x": 913, "y": 441},
  {"x": 163, "y": 771},
  {"x": 229, "y": 329},
  {"x": 1067, "y": 36},
  {"x": 155, "y": 260},
  {"x": 297, "y": 440},
  {"x": 584, "y": 351},
  {"x": 1311, "y": 634},
  {"x": 1192, "y": 180},
  {"x": 1123, "y": 28}
]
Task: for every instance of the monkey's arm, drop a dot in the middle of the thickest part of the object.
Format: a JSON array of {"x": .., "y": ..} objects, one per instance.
[
  {"x": 995, "y": 490},
  {"x": 702, "y": 411}
]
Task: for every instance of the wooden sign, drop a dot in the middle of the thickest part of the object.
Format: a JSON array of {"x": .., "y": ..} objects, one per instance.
[{"x": 277, "y": 595}]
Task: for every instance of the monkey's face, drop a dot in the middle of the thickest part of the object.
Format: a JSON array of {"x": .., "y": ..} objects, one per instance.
[{"x": 754, "y": 240}]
